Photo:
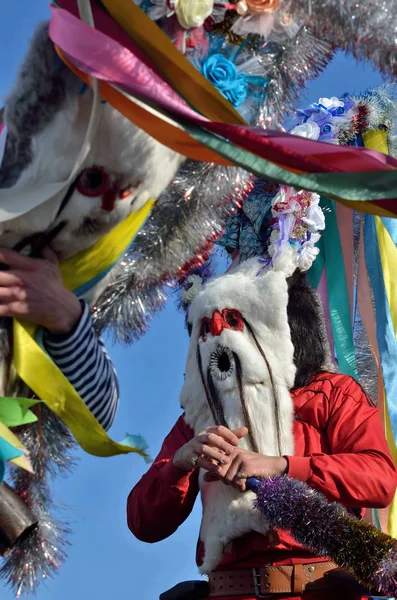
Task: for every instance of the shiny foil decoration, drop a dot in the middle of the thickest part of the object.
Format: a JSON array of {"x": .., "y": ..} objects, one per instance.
[
  {"x": 328, "y": 529},
  {"x": 365, "y": 28},
  {"x": 37, "y": 557},
  {"x": 177, "y": 237},
  {"x": 289, "y": 63}
]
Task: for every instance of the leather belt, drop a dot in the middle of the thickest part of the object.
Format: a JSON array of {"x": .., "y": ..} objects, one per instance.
[{"x": 270, "y": 580}]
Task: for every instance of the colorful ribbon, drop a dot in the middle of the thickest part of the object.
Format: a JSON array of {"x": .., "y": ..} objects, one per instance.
[
  {"x": 343, "y": 173},
  {"x": 80, "y": 273}
]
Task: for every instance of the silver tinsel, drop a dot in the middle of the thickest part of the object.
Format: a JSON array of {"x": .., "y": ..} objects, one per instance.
[
  {"x": 291, "y": 63},
  {"x": 365, "y": 28},
  {"x": 185, "y": 221},
  {"x": 366, "y": 363},
  {"x": 39, "y": 556}
]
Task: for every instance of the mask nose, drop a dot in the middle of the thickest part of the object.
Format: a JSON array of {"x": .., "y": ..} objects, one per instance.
[{"x": 217, "y": 324}]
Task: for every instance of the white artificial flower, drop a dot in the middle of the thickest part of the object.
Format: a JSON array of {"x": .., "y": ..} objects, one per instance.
[
  {"x": 309, "y": 130},
  {"x": 193, "y": 13},
  {"x": 314, "y": 217},
  {"x": 196, "y": 285},
  {"x": 331, "y": 103},
  {"x": 307, "y": 255},
  {"x": 315, "y": 237}
]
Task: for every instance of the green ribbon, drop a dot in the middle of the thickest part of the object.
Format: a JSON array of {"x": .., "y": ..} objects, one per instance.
[
  {"x": 354, "y": 186},
  {"x": 338, "y": 297},
  {"x": 15, "y": 412}
]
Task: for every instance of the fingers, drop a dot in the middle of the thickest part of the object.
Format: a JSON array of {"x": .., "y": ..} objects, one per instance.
[
  {"x": 17, "y": 261},
  {"x": 233, "y": 469},
  {"x": 215, "y": 441},
  {"x": 210, "y": 452},
  {"x": 225, "y": 434},
  {"x": 10, "y": 294},
  {"x": 12, "y": 309},
  {"x": 240, "y": 432},
  {"x": 11, "y": 279}
]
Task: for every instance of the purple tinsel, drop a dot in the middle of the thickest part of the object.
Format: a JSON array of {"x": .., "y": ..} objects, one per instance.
[{"x": 327, "y": 529}]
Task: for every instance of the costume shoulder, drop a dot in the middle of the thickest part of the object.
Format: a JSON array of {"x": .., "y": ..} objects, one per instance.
[
  {"x": 336, "y": 385},
  {"x": 329, "y": 394}
]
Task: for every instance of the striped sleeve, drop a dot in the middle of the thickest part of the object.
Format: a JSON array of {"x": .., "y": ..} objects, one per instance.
[{"x": 82, "y": 358}]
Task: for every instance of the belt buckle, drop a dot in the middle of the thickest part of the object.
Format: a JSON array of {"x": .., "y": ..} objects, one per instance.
[{"x": 256, "y": 576}]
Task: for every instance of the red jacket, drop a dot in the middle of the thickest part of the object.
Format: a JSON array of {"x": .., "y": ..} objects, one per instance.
[{"x": 340, "y": 450}]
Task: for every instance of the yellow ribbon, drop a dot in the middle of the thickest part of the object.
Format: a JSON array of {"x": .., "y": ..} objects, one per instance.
[
  {"x": 388, "y": 257},
  {"x": 38, "y": 371},
  {"x": 376, "y": 139}
]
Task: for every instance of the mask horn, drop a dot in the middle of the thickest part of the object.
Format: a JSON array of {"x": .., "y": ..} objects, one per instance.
[{"x": 17, "y": 521}]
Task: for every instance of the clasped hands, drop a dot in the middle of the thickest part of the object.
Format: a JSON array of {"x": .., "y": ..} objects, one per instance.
[{"x": 216, "y": 450}]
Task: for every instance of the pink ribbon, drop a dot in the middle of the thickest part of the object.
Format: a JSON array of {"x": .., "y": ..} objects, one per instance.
[{"x": 101, "y": 57}]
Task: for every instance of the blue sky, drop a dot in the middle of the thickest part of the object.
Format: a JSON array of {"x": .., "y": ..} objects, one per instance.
[{"x": 105, "y": 561}]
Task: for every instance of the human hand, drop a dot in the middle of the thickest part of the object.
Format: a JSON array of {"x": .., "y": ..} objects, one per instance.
[
  {"x": 32, "y": 289},
  {"x": 209, "y": 449},
  {"x": 244, "y": 464}
]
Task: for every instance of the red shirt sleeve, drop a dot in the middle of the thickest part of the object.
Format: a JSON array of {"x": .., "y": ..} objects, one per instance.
[
  {"x": 164, "y": 497},
  {"x": 360, "y": 471}
]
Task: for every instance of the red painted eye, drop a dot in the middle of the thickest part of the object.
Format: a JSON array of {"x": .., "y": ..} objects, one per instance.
[
  {"x": 93, "y": 182},
  {"x": 233, "y": 319},
  {"x": 205, "y": 328}
]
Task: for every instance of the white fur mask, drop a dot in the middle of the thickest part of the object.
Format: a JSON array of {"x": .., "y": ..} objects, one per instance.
[
  {"x": 46, "y": 115},
  {"x": 241, "y": 337}
]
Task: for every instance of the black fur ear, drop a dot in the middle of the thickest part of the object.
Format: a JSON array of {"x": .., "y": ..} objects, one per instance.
[{"x": 308, "y": 332}]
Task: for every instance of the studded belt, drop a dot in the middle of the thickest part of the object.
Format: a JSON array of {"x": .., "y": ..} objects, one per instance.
[{"x": 270, "y": 580}]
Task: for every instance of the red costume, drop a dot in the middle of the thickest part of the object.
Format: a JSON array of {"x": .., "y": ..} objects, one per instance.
[{"x": 340, "y": 450}]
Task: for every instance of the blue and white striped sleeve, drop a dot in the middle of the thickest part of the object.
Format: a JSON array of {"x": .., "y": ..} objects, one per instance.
[{"x": 82, "y": 358}]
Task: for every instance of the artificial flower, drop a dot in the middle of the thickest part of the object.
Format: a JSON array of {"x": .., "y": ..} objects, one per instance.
[
  {"x": 223, "y": 75},
  {"x": 256, "y": 7},
  {"x": 307, "y": 255},
  {"x": 314, "y": 217},
  {"x": 309, "y": 130},
  {"x": 191, "y": 289},
  {"x": 193, "y": 13},
  {"x": 331, "y": 103}
]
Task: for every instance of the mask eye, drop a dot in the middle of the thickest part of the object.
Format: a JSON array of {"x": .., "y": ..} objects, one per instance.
[
  {"x": 93, "y": 182},
  {"x": 205, "y": 328},
  {"x": 233, "y": 319}
]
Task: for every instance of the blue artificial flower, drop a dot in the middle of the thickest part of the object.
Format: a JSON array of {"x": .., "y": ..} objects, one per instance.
[{"x": 223, "y": 75}]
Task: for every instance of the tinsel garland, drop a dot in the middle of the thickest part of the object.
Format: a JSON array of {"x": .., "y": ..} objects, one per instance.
[
  {"x": 327, "y": 529},
  {"x": 366, "y": 363},
  {"x": 291, "y": 62},
  {"x": 39, "y": 556},
  {"x": 367, "y": 28},
  {"x": 178, "y": 236}
]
